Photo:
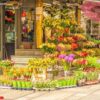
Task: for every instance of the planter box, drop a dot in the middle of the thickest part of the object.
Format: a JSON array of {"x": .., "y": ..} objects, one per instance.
[
  {"x": 81, "y": 82},
  {"x": 91, "y": 82},
  {"x": 27, "y": 45}
]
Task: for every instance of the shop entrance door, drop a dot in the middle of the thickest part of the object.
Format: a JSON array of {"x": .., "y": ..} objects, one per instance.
[{"x": 9, "y": 32}]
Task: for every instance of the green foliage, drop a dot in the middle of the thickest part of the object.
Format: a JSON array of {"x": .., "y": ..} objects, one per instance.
[
  {"x": 44, "y": 84},
  {"x": 70, "y": 81},
  {"x": 5, "y": 81},
  {"x": 93, "y": 62},
  {"x": 41, "y": 63},
  {"x": 47, "y": 22},
  {"x": 6, "y": 63},
  {"x": 94, "y": 40},
  {"x": 91, "y": 76},
  {"x": 20, "y": 84},
  {"x": 79, "y": 74}
]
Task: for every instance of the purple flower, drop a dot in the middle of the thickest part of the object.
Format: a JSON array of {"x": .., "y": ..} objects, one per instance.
[
  {"x": 66, "y": 58},
  {"x": 62, "y": 56},
  {"x": 70, "y": 59},
  {"x": 72, "y": 55}
]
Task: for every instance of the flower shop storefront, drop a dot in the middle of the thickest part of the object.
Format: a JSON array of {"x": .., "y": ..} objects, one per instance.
[
  {"x": 26, "y": 25},
  {"x": 71, "y": 57}
]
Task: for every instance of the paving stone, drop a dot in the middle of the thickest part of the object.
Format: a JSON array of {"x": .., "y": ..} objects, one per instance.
[
  {"x": 80, "y": 93},
  {"x": 10, "y": 94},
  {"x": 57, "y": 95},
  {"x": 91, "y": 97},
  {"x": 33, "y": 95}
]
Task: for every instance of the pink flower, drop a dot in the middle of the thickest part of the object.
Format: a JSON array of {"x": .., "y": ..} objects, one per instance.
[{"x": 62, "y": 56}]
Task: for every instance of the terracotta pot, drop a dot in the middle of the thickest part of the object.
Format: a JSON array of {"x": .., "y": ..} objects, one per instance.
[{"x": 27, "y": 45}]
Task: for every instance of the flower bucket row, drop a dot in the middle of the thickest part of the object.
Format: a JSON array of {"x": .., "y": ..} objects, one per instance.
[
  {"x": 66, "y": 70},
  {"x": 73, "y": 81},
  {"x": 22, "y": 85},
  {"x": 79, "y": 78}
]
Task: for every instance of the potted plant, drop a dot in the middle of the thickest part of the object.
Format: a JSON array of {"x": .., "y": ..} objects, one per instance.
[
  {"x": 91, "y": 78},
  {"x": 80, "y": 75},
  {"x": 47, "y": 25},
  {"x": 66, "y": 62}
]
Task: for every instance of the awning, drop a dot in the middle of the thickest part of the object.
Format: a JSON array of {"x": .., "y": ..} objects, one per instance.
[{"x": 91, "y": 9}]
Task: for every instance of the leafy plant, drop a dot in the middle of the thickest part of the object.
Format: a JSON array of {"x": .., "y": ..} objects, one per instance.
[
  {"x": 79, "y": 74},
  {"x": 21, "y": 84},
  {"x": 44, "y": 84},
  {"x": 91, "y": 76},
  {"x": 70, "y": 81},
  {"x": 6, "y": 63},
  {"x": 93, "y": 62}
]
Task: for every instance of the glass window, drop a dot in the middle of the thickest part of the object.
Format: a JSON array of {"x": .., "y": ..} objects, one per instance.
[
  {"x": 9, "y": 25},
  {"x": 27, "y": 20}
]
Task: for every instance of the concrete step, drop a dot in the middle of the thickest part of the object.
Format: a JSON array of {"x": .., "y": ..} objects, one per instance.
[
  {"x": 22, "y": 56},
  {"x": 20, "y": 61},
  {"x": 28, "y": 52}
]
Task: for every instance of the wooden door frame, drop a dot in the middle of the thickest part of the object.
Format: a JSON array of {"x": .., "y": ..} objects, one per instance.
[{"x": 2, "y": 31}]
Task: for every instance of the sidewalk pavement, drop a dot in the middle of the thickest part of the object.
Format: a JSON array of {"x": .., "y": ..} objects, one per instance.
[{"x": 91, "y": 92}]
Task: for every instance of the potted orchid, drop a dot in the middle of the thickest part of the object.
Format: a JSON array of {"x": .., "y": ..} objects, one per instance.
[{"x": 66, "y": 62}]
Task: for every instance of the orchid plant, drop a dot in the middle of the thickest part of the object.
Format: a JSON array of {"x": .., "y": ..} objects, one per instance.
[{"x": 66, "y": 60}]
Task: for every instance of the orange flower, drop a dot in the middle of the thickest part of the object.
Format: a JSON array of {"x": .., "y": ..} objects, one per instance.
[
  {"x": 66, "y": 30},
  {"x": 61, "y": 38},
  {"x": 74, "y": 46}
]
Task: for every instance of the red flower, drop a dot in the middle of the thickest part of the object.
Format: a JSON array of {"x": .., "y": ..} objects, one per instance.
[
  {"x": 74, "y": 46},
  {"x": 61, "y": 38},
  {"x": 83, "y": 54},
  {"x": 83, "y": 62},
  {"x": 8, "y": 19},
  {"x": 75, "y": 38},
  {"x": 23, "y": 14}
]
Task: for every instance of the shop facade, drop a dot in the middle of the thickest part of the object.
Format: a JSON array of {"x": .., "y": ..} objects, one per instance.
[{"x": 21, "y": 26}]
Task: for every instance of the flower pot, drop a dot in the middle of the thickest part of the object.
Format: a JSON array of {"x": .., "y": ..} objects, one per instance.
[
  {"x": 27, "y": 45},
  {"x": 67, "y": 73},
  {"x": 81, "y": 82}
]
